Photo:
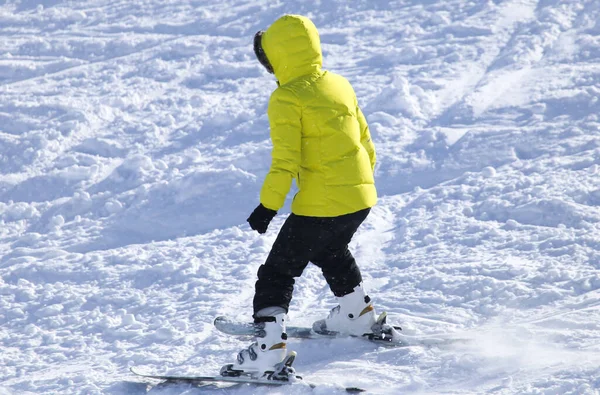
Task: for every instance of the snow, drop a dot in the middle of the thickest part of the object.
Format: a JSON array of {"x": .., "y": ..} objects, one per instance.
[{"x": 134, "y": 141}]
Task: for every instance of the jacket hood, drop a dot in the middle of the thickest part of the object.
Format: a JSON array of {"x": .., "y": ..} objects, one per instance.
[{"x": 293, "y": 47}]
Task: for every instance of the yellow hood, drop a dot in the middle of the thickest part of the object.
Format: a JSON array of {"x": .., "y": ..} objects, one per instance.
[{"x": 293, "y": 47}]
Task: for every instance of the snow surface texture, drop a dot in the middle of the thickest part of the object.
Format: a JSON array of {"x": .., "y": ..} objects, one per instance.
[{"x": 134, "y": 141}]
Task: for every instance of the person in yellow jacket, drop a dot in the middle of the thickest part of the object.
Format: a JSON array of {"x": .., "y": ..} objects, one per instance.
[{"x": 321, "y": 139}]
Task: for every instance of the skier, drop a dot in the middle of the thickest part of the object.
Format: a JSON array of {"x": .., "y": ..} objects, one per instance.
[{"x": 321, "y": 139}]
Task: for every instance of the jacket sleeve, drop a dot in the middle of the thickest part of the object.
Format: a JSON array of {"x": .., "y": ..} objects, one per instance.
[
  {"x": 365, "y": 137},
  {"x": 286, "y": 134}
]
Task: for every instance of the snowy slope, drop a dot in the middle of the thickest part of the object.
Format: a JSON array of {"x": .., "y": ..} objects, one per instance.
[{"x": 134, "y": 141}]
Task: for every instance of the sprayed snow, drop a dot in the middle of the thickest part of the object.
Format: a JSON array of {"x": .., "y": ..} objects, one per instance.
[{"x": 134, "y": 140}]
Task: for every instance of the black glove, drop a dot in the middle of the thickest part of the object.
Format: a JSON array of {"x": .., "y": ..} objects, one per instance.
[{"x": 260, "y": 218}]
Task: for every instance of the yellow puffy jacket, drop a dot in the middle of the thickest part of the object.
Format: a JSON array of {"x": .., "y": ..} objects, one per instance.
[{"x": 320, "y": 136}]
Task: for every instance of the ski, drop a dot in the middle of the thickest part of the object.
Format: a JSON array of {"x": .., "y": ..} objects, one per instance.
[
  {"x": 184, "y": 379},
  {"x": 384, "y": 333},
  {"x": 206, "y": 379}
]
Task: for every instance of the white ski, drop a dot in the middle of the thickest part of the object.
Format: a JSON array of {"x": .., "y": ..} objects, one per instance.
[
  {"x": 242, "y": 379},
  {"x": 384, "y": 334}
]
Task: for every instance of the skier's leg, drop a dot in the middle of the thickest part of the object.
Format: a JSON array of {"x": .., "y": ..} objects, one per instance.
[
  {"x": 301, "y": 239},
  {"x": 288, "y": 257},
  {"x": 335, "y": 259},
  {"x": 339, "y": 269},
  {"x": 355, "y": 314}
]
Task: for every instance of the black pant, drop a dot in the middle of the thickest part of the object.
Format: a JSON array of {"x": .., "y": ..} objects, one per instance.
[{"x": 322, "y": 241}]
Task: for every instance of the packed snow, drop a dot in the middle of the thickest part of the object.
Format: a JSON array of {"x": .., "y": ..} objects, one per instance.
[{"x": 134, "y": 141}]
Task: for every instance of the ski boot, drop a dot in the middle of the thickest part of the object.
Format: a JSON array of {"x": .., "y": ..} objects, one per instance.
[
  {"x": 267, "y": 357},
  {"x": 354, "y": 316}
]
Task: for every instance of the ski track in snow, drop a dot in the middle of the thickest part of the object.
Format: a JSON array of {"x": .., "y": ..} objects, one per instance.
[{"x": 134, "y": 140}]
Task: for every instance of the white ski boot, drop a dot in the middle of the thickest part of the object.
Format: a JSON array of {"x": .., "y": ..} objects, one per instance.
[
  {"x": 266, "y": 357},
  {"x": 355, "y": 315}
]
